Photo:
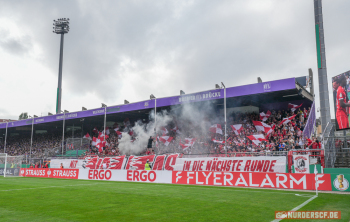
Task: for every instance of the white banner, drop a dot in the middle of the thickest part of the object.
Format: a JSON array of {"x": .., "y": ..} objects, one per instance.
[
  {"x": 275, "y": 164},
  {"x": 151, "y": 176},
  {"x": 67, "y": 163},
  {"x": 301, "y": 163}
]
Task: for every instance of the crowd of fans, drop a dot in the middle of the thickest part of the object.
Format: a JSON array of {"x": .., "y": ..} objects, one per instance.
[{"x": 284, "y": 137}]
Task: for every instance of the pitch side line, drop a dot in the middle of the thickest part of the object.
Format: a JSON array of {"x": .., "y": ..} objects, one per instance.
[
  {"x": 298, "y": 207},
  {"x": 255, "y": 191},
  {"x": 33, "y": 188}
]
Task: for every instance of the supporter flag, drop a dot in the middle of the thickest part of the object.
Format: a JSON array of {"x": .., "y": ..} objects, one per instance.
[
  {"x": 257, "y": 139},
  {"x": 287, "y": 120},
  {"x": 293, "y": 107},
  {"x": 102, "y": 136},
  {"x": 184, "y": 146},
  {"x": 237, "y": 128},
  {"x": 87, "y": 136},
  {"x": 264, "y": 116},
  {"x": 95, "y": 130},
  {"x": 260, "y": 126},
  {"x": 216, "y": 128},
  {"x": 164, "y": 131},
  {"x": 118, "y": 132},
  {"x": 116, "y": 129},
  {"x": 165, "y": 139},
  {"x": 218, "y": 141},
  {"x": 107, "y": 130},
  {"x": 190, "y": 140},
  {"x": 95, "y": 141},
  {"x": 176, "y": 130}
]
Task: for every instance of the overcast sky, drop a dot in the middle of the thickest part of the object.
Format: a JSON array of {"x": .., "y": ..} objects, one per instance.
[{"x": 118, "y": 50}]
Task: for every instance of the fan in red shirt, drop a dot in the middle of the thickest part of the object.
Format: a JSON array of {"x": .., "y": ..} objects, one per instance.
[{"x": 341, "y": 101}]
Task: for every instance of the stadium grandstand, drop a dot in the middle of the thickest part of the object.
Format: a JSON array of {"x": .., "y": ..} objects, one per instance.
[{"x": 261, "y": 117}]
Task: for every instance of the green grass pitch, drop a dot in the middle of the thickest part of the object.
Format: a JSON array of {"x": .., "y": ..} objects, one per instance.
[{"x": 41, "y": 199}]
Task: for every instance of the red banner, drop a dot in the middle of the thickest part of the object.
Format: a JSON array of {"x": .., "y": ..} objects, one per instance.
[
  {"x": 246, "y": 179},
  {"x": 50, "y": 173}
]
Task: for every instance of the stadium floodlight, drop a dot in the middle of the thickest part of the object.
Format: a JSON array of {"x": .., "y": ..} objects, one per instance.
[
  {"x": 50, "y": 114},
  {"x": 60, "y": 26},
  {"x": 126, "y": 101},
  {"x": 103, "y": 105},
  {"x": 182, "y": 92},
  {"x": 152, "y": 96},
  {"x": 259, "y": 80},
  {"x": 217, "y": 86},
  {"x": 83, "y": 108}
]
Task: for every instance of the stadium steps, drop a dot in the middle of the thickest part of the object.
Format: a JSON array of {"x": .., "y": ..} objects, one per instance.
[{"x": 342, "y": 160}]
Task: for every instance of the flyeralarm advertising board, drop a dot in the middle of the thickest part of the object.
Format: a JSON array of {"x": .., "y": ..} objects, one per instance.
[{"x": 246, "y": 179}]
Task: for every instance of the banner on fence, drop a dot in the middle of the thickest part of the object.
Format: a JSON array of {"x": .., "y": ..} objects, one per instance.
[
  {"x": 172, "y": 162},
  {"x": 301, "y": 163}
]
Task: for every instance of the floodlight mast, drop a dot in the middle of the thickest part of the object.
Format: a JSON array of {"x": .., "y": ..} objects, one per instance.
[{"x": 60, "y": 26}]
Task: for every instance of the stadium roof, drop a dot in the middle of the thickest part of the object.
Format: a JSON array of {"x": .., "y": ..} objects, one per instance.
[{"x": 258, "y": 94}]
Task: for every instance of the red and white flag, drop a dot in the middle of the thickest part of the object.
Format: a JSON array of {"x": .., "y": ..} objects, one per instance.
[
  {"x": 237, "y": 128},
  {"x": 164, "y": 131},
  {"x": 102, "y": 136},
  {"x": 116, "y": 129},
  {"x": 118, "y": 132},
  {"x": 107, "y": 130},
  {"x": 218, "y": 141},
  {"x": 216, "y": 128},
  {"x": 293, "y": 107},
  {"x": 256, "y": 139},
  {"x": 260, "y": 126},
  {"x": 176, "y": 130},
  {"x": 184, "y": 146},
  {"x": 287, "y": 120},
  {"x": 87, "y": 136},
  {"x": 95, "y": 141},
  {"x": 265, "y": 116},
  {"x": 95, "y": 130},
  {"x": 165, "y": 139}
]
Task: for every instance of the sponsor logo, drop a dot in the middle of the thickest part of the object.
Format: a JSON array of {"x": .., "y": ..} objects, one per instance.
[
  {"x": 143, "y": 176},
  {"x": 341, "y": 183},
  {"x": 99, "y": 174},
  {"x": 49, "y": 173},
  {"x": 308, "y": 215},
  {"x": 98, "y": 111},
  {"x": 39, "y": 120},
  {"x": 267, "y": 86},
  {"x": 73, "y": 164},
  {"x": 199, "y": 96},
  {"x": 146, "y": 104},
  {"x": 301, "y": 164}
]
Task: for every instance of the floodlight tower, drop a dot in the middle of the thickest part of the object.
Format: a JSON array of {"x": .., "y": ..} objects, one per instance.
[{"x": 60, "y": 26}]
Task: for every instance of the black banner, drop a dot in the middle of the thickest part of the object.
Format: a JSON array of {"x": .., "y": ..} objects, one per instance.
[{"x": 10, "y": 171}]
